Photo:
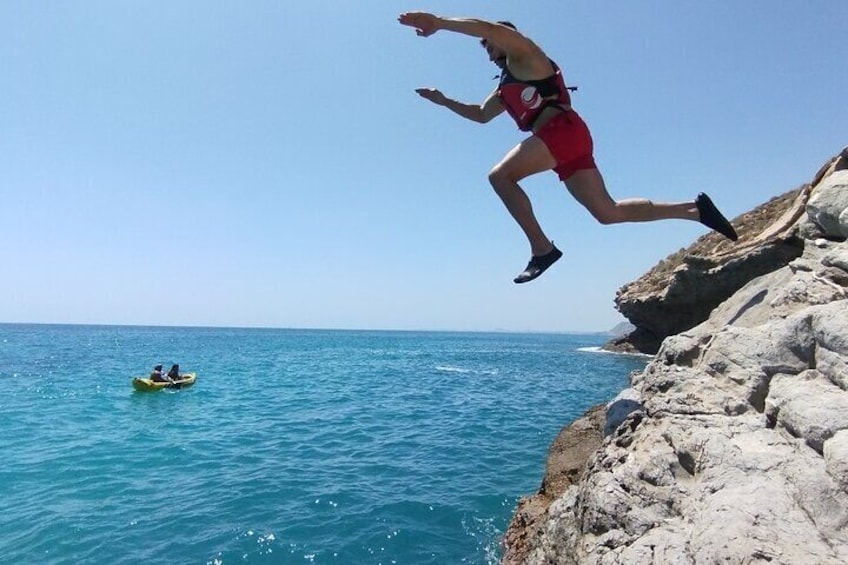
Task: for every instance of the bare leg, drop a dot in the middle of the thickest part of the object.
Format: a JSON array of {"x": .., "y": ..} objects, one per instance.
[
  {"x": 528, "y": 158},
  {"x": 587, "y": 186}
]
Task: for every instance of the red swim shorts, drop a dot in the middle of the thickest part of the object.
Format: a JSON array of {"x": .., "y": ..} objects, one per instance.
[{"x": 569, "y": 141}]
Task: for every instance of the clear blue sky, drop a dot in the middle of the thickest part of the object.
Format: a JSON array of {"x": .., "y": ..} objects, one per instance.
[{"x": 267, "y": 163}]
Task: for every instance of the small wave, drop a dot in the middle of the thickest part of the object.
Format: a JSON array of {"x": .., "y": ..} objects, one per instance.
[
  {"x": 449, "y": 369},
  {"x": 461, "y": 370},
  {"x": 607, "y": 352}
]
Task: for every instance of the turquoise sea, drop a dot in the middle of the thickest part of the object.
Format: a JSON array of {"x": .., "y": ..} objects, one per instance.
[{"x": 294, "y": 446}]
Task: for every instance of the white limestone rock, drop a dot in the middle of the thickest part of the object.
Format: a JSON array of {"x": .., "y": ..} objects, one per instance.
[
  {"x": 836, "y": 458},
  {"x": 628, "y": 401},
  {"x": 739, "y": 453},
  {"x": 828, "y": 206},
  {"x": 808, "y": 406}
]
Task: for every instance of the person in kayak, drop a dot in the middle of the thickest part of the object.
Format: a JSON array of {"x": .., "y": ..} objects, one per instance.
[
  {"x": 157, "y": 376},
  {"x": 174, "y": 373},
  {"x": 532, "y": 90}
]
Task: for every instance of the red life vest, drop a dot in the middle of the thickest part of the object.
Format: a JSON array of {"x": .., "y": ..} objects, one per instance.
[{"x": 525, "y": 99}]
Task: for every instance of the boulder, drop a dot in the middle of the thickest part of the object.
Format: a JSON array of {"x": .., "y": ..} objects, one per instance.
[{"x": 828, "y": 207}]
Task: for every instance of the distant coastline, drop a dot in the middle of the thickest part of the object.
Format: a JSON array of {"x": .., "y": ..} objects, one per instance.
[{"x": 613, "y": 332}]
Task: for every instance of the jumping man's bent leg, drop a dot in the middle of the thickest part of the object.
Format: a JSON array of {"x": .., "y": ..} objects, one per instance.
[
  {"x": 528, "y": 158},
  {"x": 525, "y": 159}
]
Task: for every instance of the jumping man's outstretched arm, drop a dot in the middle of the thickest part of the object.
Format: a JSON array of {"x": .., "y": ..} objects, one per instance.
[
  {"x": 511, "y": 41},
  {"x": 480, "y": 113}
]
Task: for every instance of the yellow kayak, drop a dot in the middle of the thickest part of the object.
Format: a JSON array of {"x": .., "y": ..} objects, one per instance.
[{"x": 146, "y": 385}]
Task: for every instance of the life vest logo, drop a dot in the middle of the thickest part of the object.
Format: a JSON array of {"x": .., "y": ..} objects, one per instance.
[{"x": 530, "y": 98}]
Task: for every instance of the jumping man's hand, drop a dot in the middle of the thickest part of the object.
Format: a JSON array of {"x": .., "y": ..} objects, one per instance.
[
  {"x": 425, "y": 24},
  {"x": 434, "y": 95}
]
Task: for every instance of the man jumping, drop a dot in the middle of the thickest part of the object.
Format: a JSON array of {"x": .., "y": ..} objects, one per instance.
[{"x": 532, "y": 90}]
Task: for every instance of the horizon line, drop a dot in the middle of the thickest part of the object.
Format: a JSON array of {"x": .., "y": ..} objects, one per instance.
[{"x": 295, "y": 328}]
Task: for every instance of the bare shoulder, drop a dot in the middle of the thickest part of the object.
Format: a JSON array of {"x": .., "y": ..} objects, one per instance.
[{"x": 531, "y": 62}]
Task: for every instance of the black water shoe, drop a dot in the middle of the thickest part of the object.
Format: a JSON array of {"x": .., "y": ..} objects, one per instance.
[
  {"x": 713, "y": 219},
  {"x": 538, "y": 265}
]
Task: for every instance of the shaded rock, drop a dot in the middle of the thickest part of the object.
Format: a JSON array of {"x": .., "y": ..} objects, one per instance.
[{"x": 639, "y": 340}]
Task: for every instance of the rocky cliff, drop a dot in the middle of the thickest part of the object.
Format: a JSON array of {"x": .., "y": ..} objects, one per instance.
[
  {"x": 681, "y": 291},
  {"x": 732, "y": 445}
]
